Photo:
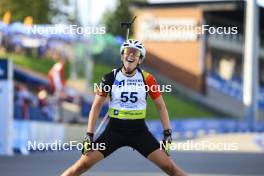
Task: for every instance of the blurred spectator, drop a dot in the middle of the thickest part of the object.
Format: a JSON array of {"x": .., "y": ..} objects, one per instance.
[
  {"x": 57, "y": 76},
  {"x": 44, "y": 105},
  {"x": 24, "y": 99},
  {"x": 57, "y": 83}
]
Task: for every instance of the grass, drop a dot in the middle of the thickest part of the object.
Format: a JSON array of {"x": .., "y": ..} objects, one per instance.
[
  {"x": 40, "y": 65},
  {"x": 177, "y": 107},
  {"x": 100, "y": 70}
]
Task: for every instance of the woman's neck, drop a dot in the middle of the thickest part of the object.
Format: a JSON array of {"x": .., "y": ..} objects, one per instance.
[{"x": 128, "y": 74}]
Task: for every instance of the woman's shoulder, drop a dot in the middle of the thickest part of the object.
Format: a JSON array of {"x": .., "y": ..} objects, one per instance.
[
  {"x": 110, "y": 76},
  {"x": 146, "y": 74}
]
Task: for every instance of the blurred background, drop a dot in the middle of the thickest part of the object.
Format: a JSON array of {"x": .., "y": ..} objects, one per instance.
[{"x": 47, "y": 78}]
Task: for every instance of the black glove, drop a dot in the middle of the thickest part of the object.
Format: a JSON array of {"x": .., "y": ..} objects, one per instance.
[
  {"x": 167, "y": 140},
  {"x": 87, "y": 143}
]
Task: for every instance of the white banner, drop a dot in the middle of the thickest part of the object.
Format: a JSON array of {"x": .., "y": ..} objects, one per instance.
[{"x": 6, "y": 106}]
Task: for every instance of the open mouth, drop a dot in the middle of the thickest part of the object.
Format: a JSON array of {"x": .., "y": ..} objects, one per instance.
[{"x": 130, "y": 60}]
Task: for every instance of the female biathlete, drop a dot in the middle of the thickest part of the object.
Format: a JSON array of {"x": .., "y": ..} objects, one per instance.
[{"x": 127, "y": 87}]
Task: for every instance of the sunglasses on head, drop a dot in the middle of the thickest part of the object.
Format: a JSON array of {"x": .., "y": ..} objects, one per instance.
[{"x": 134, "y": 51}]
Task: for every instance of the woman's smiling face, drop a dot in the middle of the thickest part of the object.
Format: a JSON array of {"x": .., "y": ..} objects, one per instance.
[{"x": 131, "y": 57}]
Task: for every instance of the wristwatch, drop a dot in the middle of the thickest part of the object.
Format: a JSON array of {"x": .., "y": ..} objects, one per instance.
[{"x": 167, "y": 132}]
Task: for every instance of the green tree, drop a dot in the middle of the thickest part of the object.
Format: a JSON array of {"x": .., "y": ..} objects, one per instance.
[
  {"x": 42, "y": 11},
  {"x": 63, "y": 11},
  {"x": 19, "y": 9},
  {"x": 112, "y": 19}
]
